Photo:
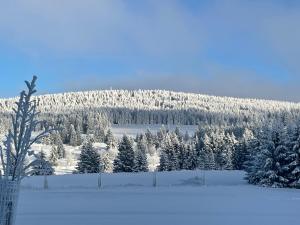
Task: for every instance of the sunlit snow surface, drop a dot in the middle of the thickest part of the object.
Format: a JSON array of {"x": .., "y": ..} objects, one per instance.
[{"x": 179, "y": 199}]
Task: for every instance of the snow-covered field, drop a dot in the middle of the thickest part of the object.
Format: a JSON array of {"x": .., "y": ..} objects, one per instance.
[
  {"x": 133, "y": 130},
  {"x": 180, "y": 198}
]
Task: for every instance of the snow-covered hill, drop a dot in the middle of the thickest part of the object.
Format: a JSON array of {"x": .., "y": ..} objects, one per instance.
[
  {"x": 149, "y": 100},
  {"x": 155, "y": 107}
]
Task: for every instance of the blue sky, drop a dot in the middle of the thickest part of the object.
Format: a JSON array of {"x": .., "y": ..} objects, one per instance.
[{"x": 232, "y": 48}]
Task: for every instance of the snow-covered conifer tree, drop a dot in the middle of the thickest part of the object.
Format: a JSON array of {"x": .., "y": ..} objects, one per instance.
[
  {"x": 89, "y": 159},
  {"x": 168, "y": 154},
  {"x": 190, "y": 159},
  {"x": 99, "y": 134},
  {"x": 73, "y": 136},
  {"x": 53, "y": 158},
  {"x": 109, "y": 139},
  {"x": 207, "y": 154},
  {"x": 124, "y": 161},
  {"x": 293, "y": 167},
  {"x": 241, "y": 150},
  {"x": 140, "y": 158},
  {"x": 78, "y": 135},
  {"x": 58, "y": 146},
  {"x": 43, "y": 167},
  {"x": 271, "y": 164}
]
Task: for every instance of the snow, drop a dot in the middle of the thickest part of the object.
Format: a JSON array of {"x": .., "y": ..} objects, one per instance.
[
  {"x": 132, "y": 130},
  {"x": 178, "y": 199}
]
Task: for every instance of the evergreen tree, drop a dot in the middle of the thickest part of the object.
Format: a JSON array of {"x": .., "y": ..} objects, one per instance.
[
  {"x": 73, "y": 136},
  {"x": 175, "y": 151},
  {"x": 199, "y": 149},
  {"x": 78, "y": 135},
  {"x": 220, "y": 149},
  {"x": 207, "y": 154},
  {"x": 109, "y": 139},
  {"x": 59, "y": 146},
  {"x": 106, "y": 163},
  {"x": 294, "y": 165},
  {"x": 89, "y": 159},
  {"x": 124, "y": 161},
  {"x": 230, "y": 142},
  {"x": 149, "y": 137},
  {"x": 53, "y": 156},
  {"x": 140, "y": 159},
  {"x": 64, "y": 134},
  {"x": 100, "y": 135},
  {"x": 42, "y": 166},
  {"x": 168, "y": 155},
  {"x": 190, "y": 160},
  {"x": 178, "y": 134},
  {"x": 241, "y": 151},
  {"x": 239, "y": 155},
  {"x": 163, "y": 161},
  {"x": 272, "y": 163}
]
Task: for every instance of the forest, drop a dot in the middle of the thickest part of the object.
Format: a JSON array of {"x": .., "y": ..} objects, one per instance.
[{"x": 259, "y": 136}]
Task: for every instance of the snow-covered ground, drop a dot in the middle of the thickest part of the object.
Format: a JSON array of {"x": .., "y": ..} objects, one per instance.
[
  {"x": 133, "y": 130},
  {"x": 180, "y": 198}
]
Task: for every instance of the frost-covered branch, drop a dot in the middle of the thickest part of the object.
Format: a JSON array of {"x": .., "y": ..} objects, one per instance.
[{"x": 19, "y": 139}]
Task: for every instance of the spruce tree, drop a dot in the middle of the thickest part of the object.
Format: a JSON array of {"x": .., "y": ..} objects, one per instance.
[
  {"x": 106, "y": 163},
  {"x": 124, "y": 161},
  {"x": 42, "y": 167},
  {"x": 163, "y": 161},
  {"x": 178, "y": 134},
  {"x": 175, "y": 152},
  {"x": 271, "y": 165},
  {"x": 140, "y": 160},
  {"x": 100, "y": 135},
  {"x": 294, "y": 165},
  {"x": 89, "y": 159},
  {"x": 220, "y": 149},
  {"x": 199, "y": 149},
  {"x": 239, "y": 155},
  {"x": 168, "y": 154},
  {"x": 241, "y": 152},
  {"x": 230, "y": 142},
  {"x": 53, "y": 155},
  {"x": 78, "y": 135},
  {"x": 109, "y": 139},
  {"x": 73, "y": 136},
  {"x": 60, "y": 148},
  {"x": 207, "y": 154},
  {"x": 190, "y": 159},
  {"x": 58, "y": 144}
]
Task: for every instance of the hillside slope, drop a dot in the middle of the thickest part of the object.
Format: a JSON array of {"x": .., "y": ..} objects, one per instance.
[
  {"x": 149, "y": 100},
  {"x": 156, "y": 107}
]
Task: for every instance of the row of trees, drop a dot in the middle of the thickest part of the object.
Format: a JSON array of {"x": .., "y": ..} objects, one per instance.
[
  {"x": 270, "y": 155},
  {"x": 127, "y": 159},
  {"x": 206, "y": 149},
  {"x": 274, "y": 159}
]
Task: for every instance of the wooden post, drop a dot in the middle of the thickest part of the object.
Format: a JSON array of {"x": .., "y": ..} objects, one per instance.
[
  {"x": 155, "y": 178},
  {"x": 100, "y": 180},
  {"x": 46, "y": 186}
]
